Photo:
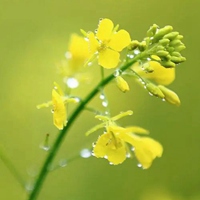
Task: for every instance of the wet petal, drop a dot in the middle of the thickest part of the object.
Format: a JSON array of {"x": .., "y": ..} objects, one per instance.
[
  {"x": 146, "y": 150},
  {"x": 108, "y": 58},
  {"x": 59, "y": 110},
  {"x": 93, "y": 43},
  {"x": 160, "y": 75},
  {"x": 120, "y": 40},
  {"x": 104, "y": 30},
  {"x": 111, "y": 148}
]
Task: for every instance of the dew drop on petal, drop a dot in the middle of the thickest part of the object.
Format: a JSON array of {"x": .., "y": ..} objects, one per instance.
[
  {"x": 145, "y": 87},
  {"x": 63, "y": 163},
  {"x": 68, "y": 55},
  {"x": 94, "y": 144},
  {"x": 72, "y": 82},
  {"x": 52, "y": 110},
  {"x": 110, "y": 163},
  {"x": 148, "y": 59},
  {"x": 106, "y": 157},
  {"x": 85, "y": 153},
  {"x": 163, "y": 99}
]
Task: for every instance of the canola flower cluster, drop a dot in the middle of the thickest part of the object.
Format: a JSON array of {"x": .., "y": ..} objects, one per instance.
[{"x": 151, "y": 62}]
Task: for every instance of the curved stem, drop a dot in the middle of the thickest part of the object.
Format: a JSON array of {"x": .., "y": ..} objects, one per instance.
[{"x": 44, "y": 171}]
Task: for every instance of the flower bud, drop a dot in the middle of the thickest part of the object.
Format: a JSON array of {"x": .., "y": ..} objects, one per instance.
[
  {"x": 168, "y": 64},
  {"x": 133, "y": 45},
  {"x": 164, "y": 42},
  {"x": 142, "y": 45},
  {"x": 175, "y": 43},
  {"x": 162, "y": 53},
  {"x": 175, "y": 53},
  {"x": 171, "y": 36},
  {"x": 152, "y": 30},
  {"x": 170, "y": 96},
  {"x": 180, "y": 48},
  {"x": 122, "y": 84},
  {"x": 161, "y": 32},
  {"x": 153, "y": 89},
  {"x": 177, "y": 60},
  {"x": 180, "y": 37}
]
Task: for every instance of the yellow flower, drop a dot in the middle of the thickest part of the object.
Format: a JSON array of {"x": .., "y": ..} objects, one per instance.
[
  {"x": 159, "y": 74},
  {"x": 107, "y": 43},
  {"x": 59, "y": 109},
  {"x": 112, "y": 145},
  {"x": 76, "y": 56}
]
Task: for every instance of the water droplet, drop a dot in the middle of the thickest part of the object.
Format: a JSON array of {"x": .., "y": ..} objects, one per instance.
[
  {"x": 148, "y": 59},
  {"x": 71, "y": 82},
  {"x": 106, "y": 157},
  {"x": 94, "y": 144},
  {"x": 130, "y": 56},
  {"x": 136, "y": 51},
  {"x": 100, "y": 19},
  {"x": 68, "y": 55},
  {"x": 150, "y": 94},
  {"x": 104, "y": 103},
  {"x": 63, "y": 163},
  {"x": 29, "y": 186},
  {"x": 93, "y": 154},
  {"x": 163, "y": 99},
  {"x": 89, "y": 63},
  {"x": 145, "y": 87},
  {"x": 106, "y": 113},
  {"x": 117, "y": 72},
  {"x": 102, "y": 96},
  {"x": 52, "y": 110},
  {"x": 77, "y": 99},
  {"x": 133, "y": 149},
  {"x": 45, "y": 147},
  {"x": 139, "y": 165},
  {"x": 111, "y": 163},
  {"x": 85, "y": 153},
  {"x": 128, "y": 155}
]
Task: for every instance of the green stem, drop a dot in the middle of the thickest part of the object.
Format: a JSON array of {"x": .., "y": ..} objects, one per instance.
[
  {"x": 44, "y": 171},
  {"x": 12, "y": 168}
]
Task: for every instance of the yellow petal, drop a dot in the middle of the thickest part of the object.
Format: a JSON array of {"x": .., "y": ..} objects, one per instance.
[
  {"x": 137, "y": 130},
  {"x": 59, "y": 110},
  {"x": 104, "y": 30},
  {"x": 146, "y": 150},
  {"x": 108, "y": 58},
  {"x": 93, "y": 43},
  {"x": 119, "y": 40},
  {"x": 160, "y": 74},
  {"x": 111, "y": 148}
]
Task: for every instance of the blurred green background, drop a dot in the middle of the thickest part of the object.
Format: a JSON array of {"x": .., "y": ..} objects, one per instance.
[{"x": 34, "y": 36}]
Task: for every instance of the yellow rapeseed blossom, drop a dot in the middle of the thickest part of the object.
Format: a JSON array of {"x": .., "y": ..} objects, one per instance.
[
  {"x": 76, "y": 56},
  {"x": 107, "y": 43},
  {"x": 112, "y": 145},
  {"x": 59, "y": 109},
  {"x": 159, "y": 74}
]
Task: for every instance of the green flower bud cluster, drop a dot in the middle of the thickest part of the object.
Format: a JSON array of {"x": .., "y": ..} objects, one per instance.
[
  {"x": 162, "y": 42},
  {"x": 166, "y": 44}
]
